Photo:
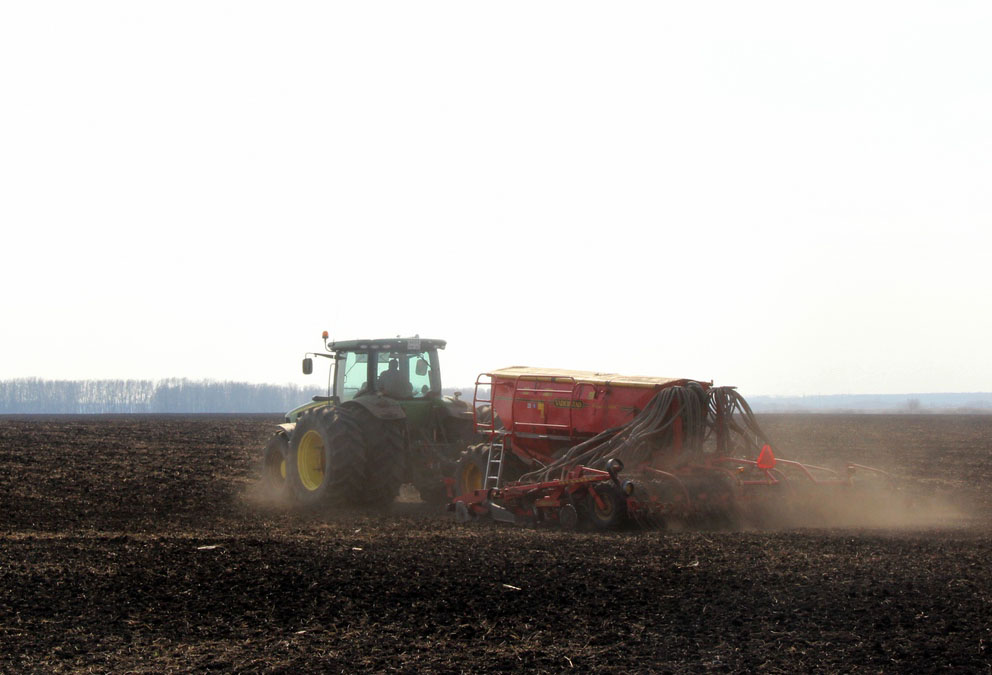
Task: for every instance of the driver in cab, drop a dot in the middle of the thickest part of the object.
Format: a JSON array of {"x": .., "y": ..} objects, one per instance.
[{"x": 392, "y": 383}]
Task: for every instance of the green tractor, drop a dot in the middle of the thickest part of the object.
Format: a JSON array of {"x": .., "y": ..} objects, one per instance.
[{"x": 383, "y": 423}]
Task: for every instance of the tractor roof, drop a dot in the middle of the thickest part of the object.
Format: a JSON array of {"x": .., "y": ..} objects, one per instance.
[
  {"x": 406, "y": 344},
  {"x": 590, "y": 377}
]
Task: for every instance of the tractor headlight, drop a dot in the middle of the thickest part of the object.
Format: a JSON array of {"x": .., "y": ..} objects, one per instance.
[
  {"x": 628, "y": 487},
  {"x": 614, "y": 466}
]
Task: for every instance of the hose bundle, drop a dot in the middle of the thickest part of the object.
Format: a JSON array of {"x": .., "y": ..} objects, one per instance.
[
  {"x": 730, "y": 414},
  {"x": 719, "y": 412}
]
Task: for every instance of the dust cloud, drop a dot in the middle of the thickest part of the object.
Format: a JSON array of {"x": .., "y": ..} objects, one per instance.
[
  {"x": 264, "y": 496},
  {"x": 940, "y": 468},
  {"x": 906, "y": 507}
]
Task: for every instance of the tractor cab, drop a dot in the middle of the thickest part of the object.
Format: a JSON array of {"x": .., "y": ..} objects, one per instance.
[{"x": 404, "y": 370}]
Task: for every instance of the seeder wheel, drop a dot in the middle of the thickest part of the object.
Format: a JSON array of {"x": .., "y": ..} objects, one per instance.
[
  {"x": 568, "y": 517},
  {"x": 610, "y": 510}
]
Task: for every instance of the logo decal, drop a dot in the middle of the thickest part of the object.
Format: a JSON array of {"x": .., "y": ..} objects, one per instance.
[{"x": 568, "y": 403}]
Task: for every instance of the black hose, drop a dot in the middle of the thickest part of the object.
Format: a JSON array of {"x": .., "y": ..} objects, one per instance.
[{"x": 649, "y": 435}]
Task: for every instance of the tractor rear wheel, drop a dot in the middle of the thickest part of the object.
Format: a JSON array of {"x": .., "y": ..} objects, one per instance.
[
  {"x": 344, "y": 455},
  {"x": 387, "y": 461},
  {"x": 274, "y": 465}
]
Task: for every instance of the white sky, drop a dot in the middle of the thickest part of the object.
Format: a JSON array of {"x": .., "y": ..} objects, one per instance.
[{"x": 789, "y": 197}]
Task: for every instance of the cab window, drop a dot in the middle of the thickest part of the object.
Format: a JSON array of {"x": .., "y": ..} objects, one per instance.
[
  {"x": 419, "y": 367},
  {"x": 404, "y": 374},
  {"x": 391, "y": 378},
  {"x": 353, "y": 373}
]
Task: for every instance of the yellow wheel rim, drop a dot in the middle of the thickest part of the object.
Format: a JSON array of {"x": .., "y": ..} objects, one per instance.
[
  {"x": 472, "y": 478},
  {"x": 282, "y": 468},
  {"x": 310, "y": 460}
]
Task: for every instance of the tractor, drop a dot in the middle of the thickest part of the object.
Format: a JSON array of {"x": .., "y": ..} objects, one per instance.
[{"x": 383, "y": 423}]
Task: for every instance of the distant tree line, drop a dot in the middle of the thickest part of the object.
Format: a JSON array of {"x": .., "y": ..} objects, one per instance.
[
  {"x": 33, "y": 395},
  {"x": 964, "y": 402}
]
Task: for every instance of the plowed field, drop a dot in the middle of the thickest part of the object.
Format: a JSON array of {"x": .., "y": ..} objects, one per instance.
[{"x": 143, "y": 544}]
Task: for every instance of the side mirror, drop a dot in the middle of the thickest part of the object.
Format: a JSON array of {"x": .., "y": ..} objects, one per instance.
[
  {"x": 422, "y": 367},
  {"x": 307, "y": 366}
]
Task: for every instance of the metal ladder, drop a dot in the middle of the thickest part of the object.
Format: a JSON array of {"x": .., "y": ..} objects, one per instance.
[{"x": 494, "y": 463}]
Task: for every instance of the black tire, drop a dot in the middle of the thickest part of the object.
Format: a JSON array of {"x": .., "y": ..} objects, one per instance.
[
  {"x": 568, "y": 517},
  {"x": 387, "y": 461},
  {"x": 274, "y": 465},
  {"x": 513, "y": 466},
  {"x": 427, "y": 478},
  {"x": 470, "y": 472},
  {"x": 345, "y": 456},
  {"x": 613, "y": 513}
]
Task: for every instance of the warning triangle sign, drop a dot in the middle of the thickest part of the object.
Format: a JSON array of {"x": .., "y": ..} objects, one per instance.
[{"x": 766, "y": 460}]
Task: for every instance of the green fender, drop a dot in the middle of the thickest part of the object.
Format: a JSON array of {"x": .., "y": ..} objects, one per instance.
[{"x": 383, "y": 407}]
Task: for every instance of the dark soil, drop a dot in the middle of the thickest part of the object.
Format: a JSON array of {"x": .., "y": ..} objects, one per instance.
[{"x": 143, "y": 544}]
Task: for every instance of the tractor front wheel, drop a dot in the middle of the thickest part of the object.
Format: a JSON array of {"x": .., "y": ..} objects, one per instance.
[
  {"x": 274, "y": 465},
  {"x": 470, "y": 472}
]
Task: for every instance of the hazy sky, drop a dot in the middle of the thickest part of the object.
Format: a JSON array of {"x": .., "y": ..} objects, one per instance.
[{"x": 789, "y": 197}]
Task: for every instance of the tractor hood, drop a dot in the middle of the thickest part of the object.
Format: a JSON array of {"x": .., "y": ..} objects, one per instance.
[{"x": 294, "y": 414}]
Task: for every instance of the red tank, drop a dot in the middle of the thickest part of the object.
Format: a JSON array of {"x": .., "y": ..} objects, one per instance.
[{"x": 543, "y": 410}]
